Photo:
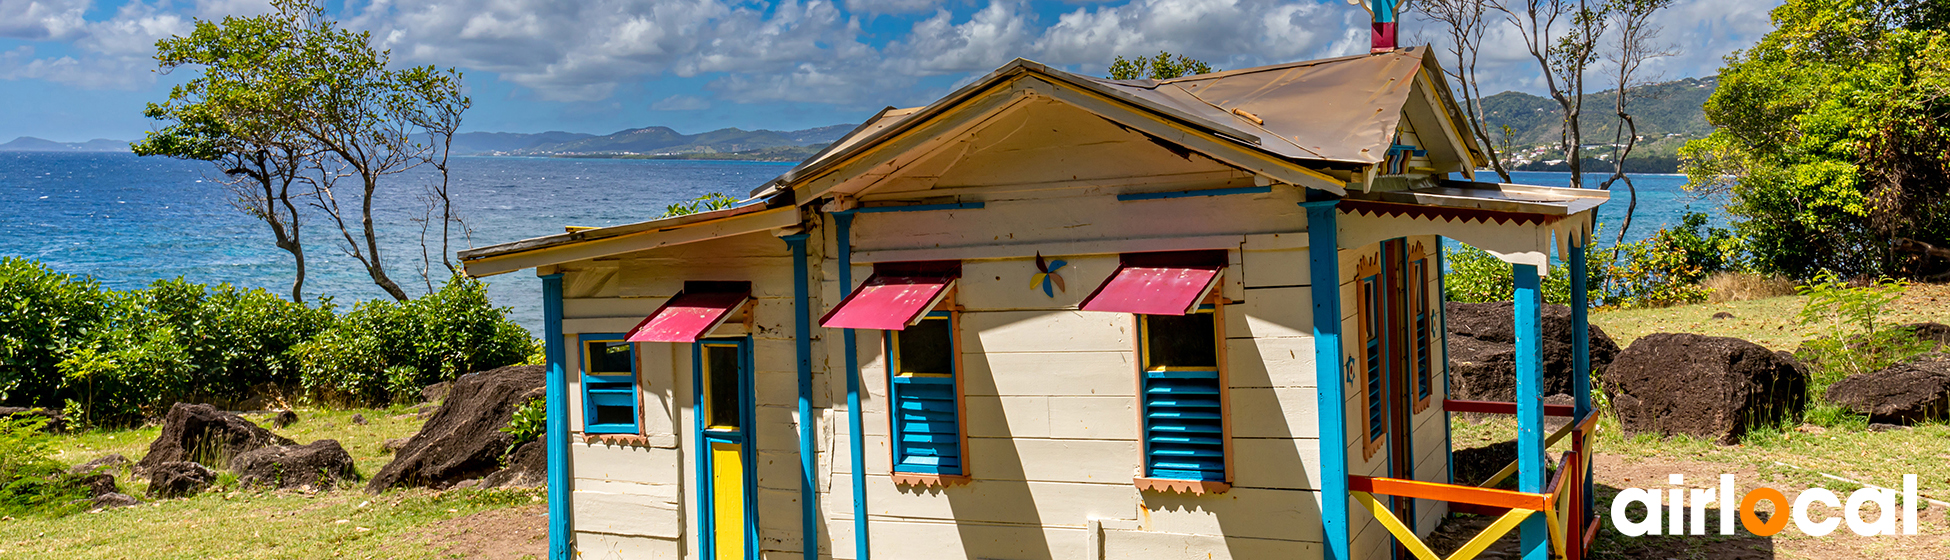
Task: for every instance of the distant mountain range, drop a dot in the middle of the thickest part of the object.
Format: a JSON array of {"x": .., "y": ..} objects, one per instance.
[
  {"x": 648, "y": 141},
  {"x": 32, "y": 144},
  {"x": 1675, "y": 109}
]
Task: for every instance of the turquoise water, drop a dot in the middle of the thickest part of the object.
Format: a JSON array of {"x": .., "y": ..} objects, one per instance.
[{"x": 129, "y": 221}]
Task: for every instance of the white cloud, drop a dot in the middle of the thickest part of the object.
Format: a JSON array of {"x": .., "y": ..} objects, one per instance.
[
  {"x": 90, "y": 72},
  {"x": 41, "y": 19},
  {"x": 891, "y": 6},
  {"x": 681, "y": 103}
]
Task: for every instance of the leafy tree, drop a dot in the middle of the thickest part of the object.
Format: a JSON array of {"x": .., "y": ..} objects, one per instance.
[
  {"x": 1165, "y": 66},
  {"x": 1634, "y": 46},
  {"x": 1562, "y": 36},
  {"x": 1832, "y": 137}
]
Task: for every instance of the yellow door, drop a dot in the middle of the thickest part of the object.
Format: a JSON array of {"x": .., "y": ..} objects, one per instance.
[{"x": 728, "y": 500}]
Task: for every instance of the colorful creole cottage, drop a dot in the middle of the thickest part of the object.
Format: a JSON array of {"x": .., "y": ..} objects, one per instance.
[{"x": 1057, "y": 316}]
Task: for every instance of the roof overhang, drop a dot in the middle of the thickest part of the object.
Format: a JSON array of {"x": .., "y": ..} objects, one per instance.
[
  {"x": 1518, "y": 223},
  {"x": 629, "y": 238}
]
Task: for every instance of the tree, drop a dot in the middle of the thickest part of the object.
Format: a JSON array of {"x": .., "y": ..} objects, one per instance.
[
  {"x": 1463, "y": 20},
  {"x": 224, "y": 117},
  {"x": 1832, "y": 138},
  {"x": 1562, "y": 36},
  {"x": 300, "y": 79},
  {"x": 1165, "y": 66},
  {"x": 1634, "y": 46}
]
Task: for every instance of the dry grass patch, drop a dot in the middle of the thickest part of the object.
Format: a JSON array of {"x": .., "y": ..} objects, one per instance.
[
  {"x": 1745, "y": 286},
  {"x": 1769, "y": 322}
]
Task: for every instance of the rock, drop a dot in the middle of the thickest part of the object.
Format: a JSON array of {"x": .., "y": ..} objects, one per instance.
[
  {"x": 319, "y": 465},
  {"x": 1905, "y": 393},
  {"x": 1723, "y": 315},
  {"x": 55, "y": 422},
  {"x": 527, "y": 468},
  {"x": 1710, "y": 387},
  {"x": 177, "y": 479},
  {"x": 393, "y": 445},
  {"x": 1477, "y": 464},
  {"x": 284, "y": 418},
  {"x": 114, "y": 500},
  {"x": 463, "y": 439},
  {"x": 106, "y": 462},
  {"x": 1887, "y": 428},
  {"x": 358, "y": 419},
  {"x": 97, "y": 484},
  {"x": 1933, "y": 332},
  {"x": 436, "y": 392},
  {"x": 1483, "y": 353},
  {"x": 426, "y": 411},
  {"x": 203, "y": 434}
]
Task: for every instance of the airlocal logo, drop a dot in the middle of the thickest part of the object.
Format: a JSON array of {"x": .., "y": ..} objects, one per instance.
[{"x": 1679, "y": 500}]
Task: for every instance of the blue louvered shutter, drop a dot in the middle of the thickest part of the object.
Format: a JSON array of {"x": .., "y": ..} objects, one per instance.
[
  {"x": 1419, "y": 299},
  {"x": 1371, "y": 306},
  {"x": 926, "y": 425},
  {"x": 1183, "y": 434}
]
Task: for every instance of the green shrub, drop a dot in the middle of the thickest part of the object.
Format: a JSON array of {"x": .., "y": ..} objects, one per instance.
[
  {"x": 384, "y": 350},
  {"x": 41, "y": 313},
  {"x": 31, "y": 481},
  {"x": 1476, "y": 276},
  {"x": 529, "y": 423}
]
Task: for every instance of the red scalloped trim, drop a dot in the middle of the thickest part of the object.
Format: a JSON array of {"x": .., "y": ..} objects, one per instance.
[
  {"x": 617, "y": 439},
  {"x": 928, "y": 480},
  {"x": 1194, "y": 487}
]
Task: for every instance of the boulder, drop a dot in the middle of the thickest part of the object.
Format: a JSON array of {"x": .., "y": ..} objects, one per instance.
[
  {"x": 55, "y": 422},
  {"x": 177, "y": 479},
  {"x": 1723, "y": 315},
  {"x": 283, "y": 419},
  {"x": 1483, "y": 351},
  {"x": 114, "y": 500},
  {"x": 1706, "y": 386},
  {"x": 436, "y": 392},
  {"x": 527, "y": 468},
  {"x": 1906, "y": 393},
  {"x": 320, "y": 465},
  {"x": 1932, "y": 332},
  {"x": 358, "y": 419},
  {"x": 106, "y": 462},
  {"x": 97, "y": 484},
  {"x": 463, "y": 440},
  {"x": 203, "y": 434}
]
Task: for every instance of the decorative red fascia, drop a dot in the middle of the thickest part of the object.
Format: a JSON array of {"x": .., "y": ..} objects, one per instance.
[
  {"x": 627, "y": 440},
  {"x": 929, "y": 480},
  {"x": 1378, "y": 208},
  {"x": 1192, "y": 487}
]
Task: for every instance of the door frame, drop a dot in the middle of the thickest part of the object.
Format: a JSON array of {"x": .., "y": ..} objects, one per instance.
[
  {"x": 1397, "y": 370},
  {"x": 745, "y": 438}
]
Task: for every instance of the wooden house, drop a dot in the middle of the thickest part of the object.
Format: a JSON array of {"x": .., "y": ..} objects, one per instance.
[{"x": 1056, "y": 316}]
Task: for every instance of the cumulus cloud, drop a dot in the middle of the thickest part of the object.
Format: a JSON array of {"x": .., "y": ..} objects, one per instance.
[
  {"x": 91, "y": 72},
  {"x": 890, "y": 6},
  {"x": 41, "y": 19}
]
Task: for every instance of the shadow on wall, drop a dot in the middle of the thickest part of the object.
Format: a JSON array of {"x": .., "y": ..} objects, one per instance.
[{"x": 996, "y": 514}]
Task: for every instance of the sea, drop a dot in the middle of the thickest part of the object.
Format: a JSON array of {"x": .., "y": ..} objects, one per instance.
[{"x": 128, "y": 221}]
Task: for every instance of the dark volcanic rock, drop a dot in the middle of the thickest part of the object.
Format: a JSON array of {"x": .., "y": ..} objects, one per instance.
[
  {"x": 320, "y": 465},
  {"x": 1905, "y": 393},
  {"x": 176, "y": 479},
  {"x": 1933, "y": 332},
  {"x": 1723, "y": 315},
  {"x": 1706, "y": 386},
  {"x": 1483, "y": 351},
  {"x": 203, "y": 434},
  {"x": 106, "y": 462},
  {"x": 463, "y": 439},
  {"x": 358, "y": 419},
  {"x": 114, "y": 500},
  {"x": 55, "y": 422},
  {"x": 436, "y": 392},
  {"x": 284, "y": 418},
  {"x": 527, "y": 468},
  {"x": 97, "y": 484}
]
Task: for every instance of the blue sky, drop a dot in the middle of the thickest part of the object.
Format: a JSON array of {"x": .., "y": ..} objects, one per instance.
[{"x": 73, "y": 70}]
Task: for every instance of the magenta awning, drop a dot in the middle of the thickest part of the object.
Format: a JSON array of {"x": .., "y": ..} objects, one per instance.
[
  {"x": 1168, "y": 283},
  {"x": 888, "y": 303},
  {"x": 691, "y": 314}
]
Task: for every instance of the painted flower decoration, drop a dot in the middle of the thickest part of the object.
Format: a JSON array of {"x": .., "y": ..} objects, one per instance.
[{"x": 1046, "y": 276}]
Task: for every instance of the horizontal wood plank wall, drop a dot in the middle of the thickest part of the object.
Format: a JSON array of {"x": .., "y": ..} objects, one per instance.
[{"x": 1080, "y": 218}]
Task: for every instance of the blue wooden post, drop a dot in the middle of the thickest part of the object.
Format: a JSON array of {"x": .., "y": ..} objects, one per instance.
[
  {"x": 1581, "y": 350},
  {"x": 1442, "y": 307},
  {"x": 558, "y": 419},
  {"x": 802, "y": 338},
  {"x": 1324, "y": 262},
  {"x": 855, "y": 418},
  {"x": 1530, "y": 405}
]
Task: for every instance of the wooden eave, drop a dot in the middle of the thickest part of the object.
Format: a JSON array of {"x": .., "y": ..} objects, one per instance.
[{"x": 628, "y": 238}]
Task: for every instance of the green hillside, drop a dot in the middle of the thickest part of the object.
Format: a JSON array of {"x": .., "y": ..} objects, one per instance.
[{"x": 1668, "y": 114}]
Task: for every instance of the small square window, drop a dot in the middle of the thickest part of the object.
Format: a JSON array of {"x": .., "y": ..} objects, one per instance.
[
  {"x": 926, "y": 398},
  {"x": 1180, "y": 341},
  {"x": 609, "y": 385},
  {"x": 721, "y": 376}
]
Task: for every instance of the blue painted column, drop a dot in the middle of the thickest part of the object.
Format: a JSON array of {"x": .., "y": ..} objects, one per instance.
[
  {"x": 802, "y": 339},
  {"x": 855, "y": 417},
  {"x": 557, "y": 404},
  {"x": 1324, "y": 265},
  {"x": 1442, "y": 307},
  {"x": 1581, "y": 350},
  {"x": 1530, "y": 405}
]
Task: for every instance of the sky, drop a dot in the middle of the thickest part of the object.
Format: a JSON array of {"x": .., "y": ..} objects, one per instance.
[{"x": 73, "y": 70}]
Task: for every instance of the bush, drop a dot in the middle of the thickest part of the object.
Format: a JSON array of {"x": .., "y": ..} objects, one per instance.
[
  {"x": 529, "y": 423},
  {"x": 31, "y": 481},
  {"x": 385, "y": 350},
  {"x": 1858, "y": 341},
  {"x": 1476, "y": 276},
  {"x": 41, "y": 313}
]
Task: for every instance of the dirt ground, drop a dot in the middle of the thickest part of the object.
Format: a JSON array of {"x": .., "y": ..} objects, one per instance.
[
  {"x": 503, "y": 534},
  {"x": 1614, "y": 472}
]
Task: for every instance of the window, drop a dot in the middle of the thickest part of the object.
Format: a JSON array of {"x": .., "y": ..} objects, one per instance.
[
  {"x": 1183, "y": 415},
  {"x": 927, "y": 396},
  {"x": 1422, "y": 323},
  {"x": 1374, "y": 403},
  {"x": 608, "y": 385},
  {"x": 721, "y": 373}
]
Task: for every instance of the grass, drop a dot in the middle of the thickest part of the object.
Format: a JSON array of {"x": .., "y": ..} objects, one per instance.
[
  {"x": 1768, "y": 322},
  {"x": 226, "y": 522}
]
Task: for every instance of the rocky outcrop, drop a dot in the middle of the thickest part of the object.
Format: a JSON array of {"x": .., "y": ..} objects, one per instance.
[
  {"x": 55, "y": 422},
  {"x": 106, "y": 462},
  {"x": 283, "y": 419},
  {"x": 200, "y": 433},
  {"x": 320, "y": 465},
  {"x": 1711, "y": 387},
  {"x": 178, "y": 479},
  {"x": 1906, "y": 393},
  {"x": 527, "y": 468},
  {"x": 1483, "y": 352},
  {"x": 463, "y": 440},
  {"x": 114, "y": 500}
]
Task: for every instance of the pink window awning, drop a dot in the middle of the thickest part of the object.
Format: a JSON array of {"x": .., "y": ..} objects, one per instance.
[
  {"x": 1165, "y": 283},
  {"x": 897, "y": 295},
  {"x": 693, "y": 313}
]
